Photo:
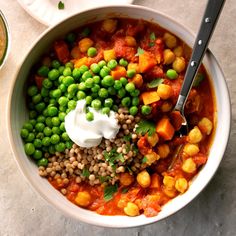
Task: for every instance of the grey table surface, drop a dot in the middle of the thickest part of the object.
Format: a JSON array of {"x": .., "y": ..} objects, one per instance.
[{"x": 213, "y": 212}]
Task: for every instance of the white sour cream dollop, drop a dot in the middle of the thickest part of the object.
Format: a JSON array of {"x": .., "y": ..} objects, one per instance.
[{"x": 90, "y": 133}]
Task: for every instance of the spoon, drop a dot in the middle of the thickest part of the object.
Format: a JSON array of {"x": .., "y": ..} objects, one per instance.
[{"x": 209, "y": 20}]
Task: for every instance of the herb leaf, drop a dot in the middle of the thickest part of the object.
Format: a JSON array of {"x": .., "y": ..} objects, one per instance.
[
  {"x": 104, "y": 178},
  {"x": 154, "y": 83},
  {"x": 198, "y": 79},
  {"x": 113, "y": 156},
  {"x": 124, "y": 190},
  {"x": 151, "y": 44},
  {"x": 127, "y": 138},
  {"x": 145, "y": 126},
  {"x": 109, "y": 192},
  {"x": 86, "y": 172},
  {"x": 152, "y": 36},
  {"x": 144, "y": 160},
  {"x": 139, "y": 51},
  {"x": 61, "y": 5}
]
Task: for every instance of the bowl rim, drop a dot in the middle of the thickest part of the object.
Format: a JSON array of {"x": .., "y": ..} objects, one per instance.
[{"x": 57, "y": 205}]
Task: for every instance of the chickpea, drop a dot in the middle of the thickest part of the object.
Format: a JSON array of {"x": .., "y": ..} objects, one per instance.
[
  {"x": 83, "y": 199},
  {"x": 205, "y": 125},
  {"x": 169, "y": 56},
  {"x": 178, "y": 51},
  {"x": 144, "y": 179},
  {"x": 166, "y": 106},
  {"x": 164, "y": 91},
  {"x": 109, "y": 55},
  {"x": 181, "y": 185},
  {"x": 191, "y": 149},
  {"x": 170, "y": 40},
  {"x": 179, "y": 64},
  {"x": 153, "y": 139},
  {"x": 131, "y": 209},
  {"x": 152, "y": 157},
  {"x": 169, "y": 182},
  {"x": 195, "y": 135},
  {"x": 130, "y": 41},
  {"x": 109, "y": 25},
  {"x": 169, "y": 192},
  {"x": 189, "y": 166},
  {"x": 85, "y": 44},
  {"x": 126, "y": 179},
  {"x": 163, "y": 150}
]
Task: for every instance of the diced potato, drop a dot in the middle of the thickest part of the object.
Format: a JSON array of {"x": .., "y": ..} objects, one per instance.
[
  {"x": 75, "y": 52},
  {"x": 181, "y": 185},
  {"x": 126, "y": 179},
  {"x": 134, "y": 66},
  {"x": 144, "y": 179},
  {"x": 164, "y": 91},
  {"x": 189, "y": 166},
  {"x": 109, "y": 25},
  {"x": 179, "y": 64},
  {"x": 109, "y": 55},
  {"x": 153, "y": 139},
  {"x": 79, "y": 62},
  {"x": 163, "y": 150},
  {"x": 118, "y": 72},
  {"x": 152, "y": 157},
  {"x": 195, "y": 135},
  {"x": 137, "y": 80},
  {"x": 130, "y": 41},
  {"x": 83, "y": 199},
  {"x": 166, "y": 106},
  {"x": 170, "y": 40},
  {"x": 169, "y": 182},
  {"x": 178, "y": 51},
  {"x": 150, "y": 97},
  {"x": 169, "y": 56},
  {"x": 191, "y": 149},
  {"x": 155, "y": 181},
  {"x": 131, "y": 209},
  {"x": 85, "y": 44},
  {"x": 205, "y": 125},
  {"x": 165, "y": 129}
]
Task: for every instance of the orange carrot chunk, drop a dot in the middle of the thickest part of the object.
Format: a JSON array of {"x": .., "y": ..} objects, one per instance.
[
  {"x": 118, "y": 72},
  {"x": 146, "y": 62},
  {"x": 150, "y": 97},
  {"x": 62, "y": 51},
  {"x": 165, "y": 129}
]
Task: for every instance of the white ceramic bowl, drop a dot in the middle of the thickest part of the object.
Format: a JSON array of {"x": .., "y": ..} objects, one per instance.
[{"x": 17, "y": 114}]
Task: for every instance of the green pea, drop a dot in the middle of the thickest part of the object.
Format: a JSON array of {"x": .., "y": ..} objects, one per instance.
[
  {"x": 24, "y": 133},
  {"x": 106, "y": 110},
  {"x": 103, "y": 93},
  {"x": 69, "y": 65},
  {"x": 146, "y": 110},
  {"x": 69, "y": 144},
  {"x": 171, "y": 74},
  {"x": 38, "y": 143},
  {"x": 61, "y": 69},
  {"x": 32, "y": 122},
  {"x": 48, "y": 122},
  {"x": 46, "y": 100},
  {"x": 56, "y": 64},
  {"x": 65, "y": 136},
  {"x": 56, "y": 130},
  {"x": 123, "y": 62},
  {"x": 62, "y": 108},
  {"x": 56, "y": 93},
  {"x": 39, "y": 127},
  {"x": 60, "y": 147},
  {"x": 62, "y": 101},
  {"x": 115, "y": 108},
  {"x": 86, "y": 75},
  {"x": 47, "y": 83},
  {"x": 44, "y": 92},
  {"x": 67, "y": 71},
  {"x": 94, "y": 95},
  {"x": 70, "y": 38},
  {"x": 112, "y": 64},
  {"x": 86, "y": 31},
  {"x": 41, "y": 119},
  {"x": 52, "y": 102},
  {"x": 55, "y": 138},
  {"x": 53, "y": 74},
  {"x": 62, "y": 126},
  {"x": 108, "y": 102},
  {"x": 95, "y": 88},
  {"x": 63, "y": 88},
  {"x": 130, "y": 87},
  {"x": 104, "y": 71},
  {"x": 96, "y": 104},
  {"x": 62, "y": 116},
  {"x": 135, "y": 93},
  {"x": 40, "y": 135},
  {"x": 32, "y": 90},
  {"x": 88, "y": 100},
  {"x": 117, "y": 84},
  {"x": 89, "y": 116},
  {"x": 32, "y": 114},
  {"x": 72, "y": 104},
  {"x": 46, "y": 141},
  {"x": 89, "y": 83},
  {"x": 40, "y": 106},
  {"x": 51, "y": 149},
  {"x": 56, "y": 121},
  {"x": 111, "y": 91},
  {"x": 133, "y": 110},
  {"x": 30, "y": 137},
  {"x": 124, "y": 81},
  {"x": 36, "y": 98},
  {"x": 135, "y": 101},
  {"x": 37, "y": 154},
  {"x": 81, "y": 95},
  {"x": 95, "y": 68},
  {"x": 131, "y": 73},
  {"x": 28, "y": 126},
  {"x": 96, "y": 79},
  {"x": 43, "y": 71},
  {"x": 126, "y": 101},
  {"x": 42, "y": 162},
  {"x": 72, "y": 89},
  {"x": 76, "y": 73},
  {"x": 92, "y": 52},
  {"x": 52, "y": 111},
  {"x": 108, "y": 81},
  {"x": 83, "y": 68},
  {"x": 29, "y": 148},
  {"x": 121, "y": 93},
  {"x": 47, "y": 131},
  {"x": 68, "y": 80},
  {"x": 101, "y": 63}
]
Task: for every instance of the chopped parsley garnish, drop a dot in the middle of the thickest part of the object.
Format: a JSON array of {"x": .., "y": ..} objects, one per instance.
[
  {"x": 144, "y": 160},
  {"x": 109, "y": 191},
  {"x": 86, "y": 31},
  {"x": 145, "y": 126},
  {"x": 139, "y": 51},
  {"x": 152, "y": 36},
  {"x": 104, "y": 178},
  {"x": 127, "y": 138},
  {"x": 135, "y": 149},
  {"x": 61, "y": 5},
  {"x": 154, "y": 83},
  {"x": 198, "y": 79},
  {"x": 86, "y": 172},
  {"x": 113, "y": 156},
  {"x": 124, "y": 190}
]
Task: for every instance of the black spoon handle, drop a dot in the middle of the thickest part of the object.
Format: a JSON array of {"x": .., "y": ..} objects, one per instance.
[{"x": 211, "y": 15}]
